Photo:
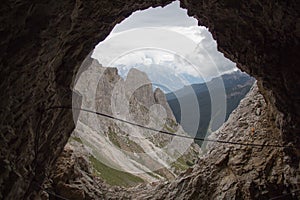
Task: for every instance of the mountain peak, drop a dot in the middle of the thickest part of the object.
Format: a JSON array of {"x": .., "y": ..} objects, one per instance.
[
  {"x": 127, "y": 147},
  {"x": 135, "y": 74}
]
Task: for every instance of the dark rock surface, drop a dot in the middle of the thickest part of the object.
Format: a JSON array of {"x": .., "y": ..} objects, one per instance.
[
  {"x": 42, "y": 46},
  {"x": 43, "y": 43},
  {"x": 263, "y": 39}
]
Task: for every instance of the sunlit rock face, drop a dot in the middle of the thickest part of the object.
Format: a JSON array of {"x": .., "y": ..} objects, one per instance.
[
  {"x": 43, "y": 44},
  {"x": 148, "y": 154}
]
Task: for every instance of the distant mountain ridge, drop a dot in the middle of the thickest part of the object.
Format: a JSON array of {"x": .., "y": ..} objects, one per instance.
[
  {"x": 163, "y": 76},
  {"x": 236, "y": 84}
]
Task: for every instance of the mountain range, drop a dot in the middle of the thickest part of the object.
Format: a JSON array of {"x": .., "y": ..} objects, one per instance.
[
  {"x": 198, "y": 96},
  {"x": 117, "y": 150},
  {"x": 164, "y": 76}
]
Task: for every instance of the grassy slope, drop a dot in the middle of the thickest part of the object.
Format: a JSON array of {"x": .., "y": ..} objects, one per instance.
[{"x": 113, "y": 176}]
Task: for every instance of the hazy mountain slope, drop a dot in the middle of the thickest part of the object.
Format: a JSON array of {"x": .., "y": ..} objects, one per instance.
[{"x": 237, "y": 85}]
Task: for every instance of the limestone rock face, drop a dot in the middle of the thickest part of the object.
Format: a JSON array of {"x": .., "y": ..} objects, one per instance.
[
  {"x": 43, "y": 44},
  {"x": 225, "y": 171},
  {"x": 228, "y": 171},
  {"x": 126, "y": 147},
  {"x": 160, "y": 98}
]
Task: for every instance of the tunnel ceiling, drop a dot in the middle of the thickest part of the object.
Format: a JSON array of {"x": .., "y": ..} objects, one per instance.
[{"x": 43, "y": 44}]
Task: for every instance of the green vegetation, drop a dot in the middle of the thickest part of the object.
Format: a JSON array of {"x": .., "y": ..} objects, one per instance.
[
  {"x": 77, "y": 139},
  {"x": 123, "y": 142},
  {"x": 181, "y": 164},
  {"x": 169, "y": 129},
  {"x": 113, "y": 137},
  {"x": 113, "y": 176},
  {"x": 172, "y": 122},
  {"x": 189, "y": 163},
  {"x": 153, "y": 175},
  {"x": 135, "y": 147}
]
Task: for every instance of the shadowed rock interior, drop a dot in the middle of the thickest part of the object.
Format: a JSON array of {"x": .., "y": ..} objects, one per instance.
[{"x": 44, "y": 43}]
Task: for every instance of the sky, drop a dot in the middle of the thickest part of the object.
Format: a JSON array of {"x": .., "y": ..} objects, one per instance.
[{"x": 165, "y": 37}]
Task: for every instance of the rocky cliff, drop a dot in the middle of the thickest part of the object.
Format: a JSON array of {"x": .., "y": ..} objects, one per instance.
[
  {"x": 228, "y": 171},
  {"x": 225, "y": 171},
  {"x": 147, "y": 154},
  {"x": 43, "y": 44},
  {"x": 237, "y": 171}
]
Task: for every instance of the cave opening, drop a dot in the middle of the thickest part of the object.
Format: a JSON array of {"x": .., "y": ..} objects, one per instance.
[
  {"x": 42, "y": 47},
  {"x": 160, "y": 70}
]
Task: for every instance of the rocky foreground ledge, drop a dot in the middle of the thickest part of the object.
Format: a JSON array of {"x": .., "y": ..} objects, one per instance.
[{"x": 225, "y": 171}]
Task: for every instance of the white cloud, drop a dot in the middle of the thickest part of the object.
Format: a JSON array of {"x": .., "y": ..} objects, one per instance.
[
  {"x": 170, "y": 15},
  {"x": 195, "y": 32},
  {"x": 173, "y": 41}
]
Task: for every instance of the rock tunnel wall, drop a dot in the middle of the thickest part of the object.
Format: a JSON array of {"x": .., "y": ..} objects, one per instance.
[{"x": 44, "y": 42}]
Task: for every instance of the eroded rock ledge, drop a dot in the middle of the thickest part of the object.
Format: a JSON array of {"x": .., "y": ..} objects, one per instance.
[
  {"x": 224, "y": 172},
  {"x": 233, "y": 171}
]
